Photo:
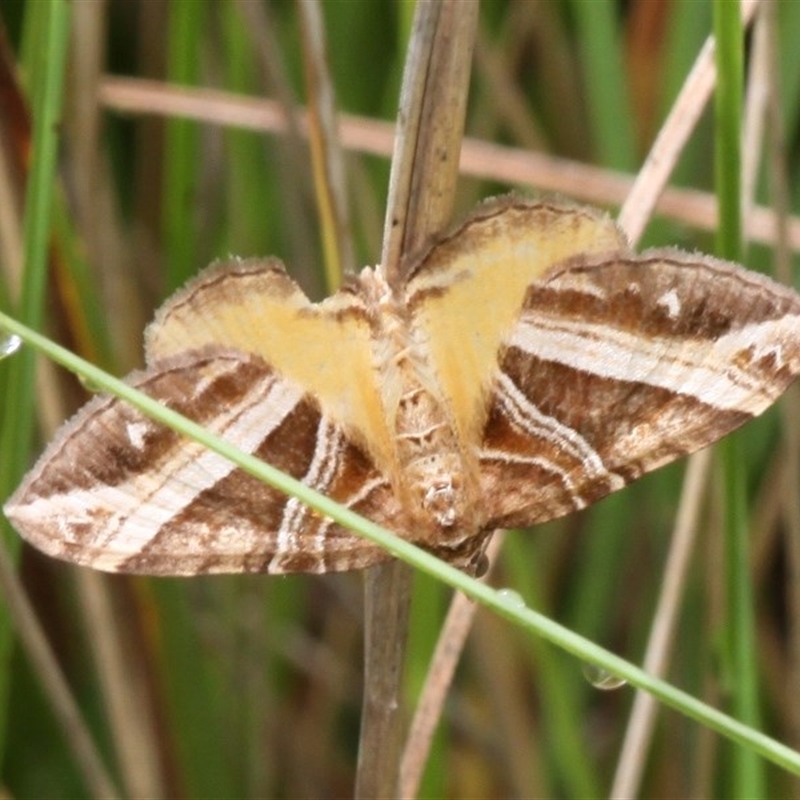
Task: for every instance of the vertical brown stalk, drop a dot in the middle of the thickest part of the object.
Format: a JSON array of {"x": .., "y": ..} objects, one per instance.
[{"x": 422, "y": 186}]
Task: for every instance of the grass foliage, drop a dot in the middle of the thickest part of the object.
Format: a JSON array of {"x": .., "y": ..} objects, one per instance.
[{"x": 250, "y": 686}]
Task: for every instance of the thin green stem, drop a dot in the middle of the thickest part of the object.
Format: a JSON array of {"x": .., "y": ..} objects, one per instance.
[
  {"x": 46, "y": 73},
  {"x": 747, "y": 774}
]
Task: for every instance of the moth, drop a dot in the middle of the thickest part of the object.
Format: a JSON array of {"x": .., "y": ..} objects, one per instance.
[{"x": 524, "y": 366}]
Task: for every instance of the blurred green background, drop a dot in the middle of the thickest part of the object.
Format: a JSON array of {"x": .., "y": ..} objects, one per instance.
[{"x": 250, "y": 686}]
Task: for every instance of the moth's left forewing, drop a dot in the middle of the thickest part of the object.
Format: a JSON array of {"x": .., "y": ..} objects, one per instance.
[
  {"x": 119, "y": 492},
  {"x": 618, "y": 365},
  {"x": 253, "y": 306}
]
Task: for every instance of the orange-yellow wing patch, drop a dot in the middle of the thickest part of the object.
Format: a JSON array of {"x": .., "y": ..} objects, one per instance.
[
  {"x": 255, "y": 307},
  {"x": 467, "y": 291}
]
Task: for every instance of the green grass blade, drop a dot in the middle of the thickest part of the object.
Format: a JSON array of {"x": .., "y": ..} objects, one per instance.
[
  {"x": 181, "y": 186},
  {"x": 46, "y": 80},
  {"x": 728, "y": 115},
  {"x": 747, "y": 773},
  {"x": 608, "y": 101}
]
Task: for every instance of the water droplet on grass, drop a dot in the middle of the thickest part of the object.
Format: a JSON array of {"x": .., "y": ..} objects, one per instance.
[
  {"x": 602, "y": 679},
  {"x": 9, "y": 344},
  {"x": 511, "y": 598}
]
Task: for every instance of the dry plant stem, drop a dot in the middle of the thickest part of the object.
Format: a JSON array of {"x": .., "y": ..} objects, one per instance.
[
  {"x": 387, "y": 592},
  {"x": 511, "y": 101},
  {"x": 645, "y": 707},
  {"x": 479, "y": 159},
  {"x": 285, "y": 110},
  {"x": 421, "y": 191},
  {"x": 326, "y": 153},
  {"x": 672, "y": 137},
  {"x": 607, "y": 187},
  {"x": 83, "y": 113},
  {"x": 425, "y": 160},
  {"x": 134, "y": 735},
  {"x": 10, "y": 223},
  {"x": 755, "y": 116},
  {"x": 61, "y": 700},
  {"x": 92, "y": 197},
  {"x": 15, "y": 136},
  {"x": 449, "y": 646}
]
